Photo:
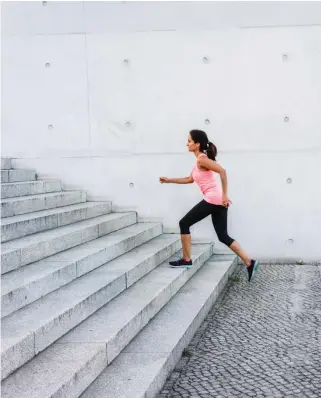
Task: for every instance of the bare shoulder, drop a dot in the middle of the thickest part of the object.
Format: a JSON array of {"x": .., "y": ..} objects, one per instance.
[
  {"x": 210, "y": 164},
  {"x": 201, "y": 161},
  {"x": 201, "y": 157},
  {"x": 202, "y": 154}
]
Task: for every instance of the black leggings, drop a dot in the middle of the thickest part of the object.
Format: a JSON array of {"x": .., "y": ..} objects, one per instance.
[{"x": 202, "y": 210}]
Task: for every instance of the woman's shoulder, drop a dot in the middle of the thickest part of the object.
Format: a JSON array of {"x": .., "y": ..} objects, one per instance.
[
  {"x": 201, "y": 157},
  {"x": 201, "y": 154}
]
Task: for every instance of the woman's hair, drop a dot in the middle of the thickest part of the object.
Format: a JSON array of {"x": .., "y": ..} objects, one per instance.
[{"x": 200, "y": 137}]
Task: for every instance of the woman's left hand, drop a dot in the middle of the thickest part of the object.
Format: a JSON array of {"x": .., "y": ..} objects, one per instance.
[{"x": 226, "y": 201}]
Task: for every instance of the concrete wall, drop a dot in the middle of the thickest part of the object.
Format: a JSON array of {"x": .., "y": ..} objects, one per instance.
[{"x": 73, "y": 109}]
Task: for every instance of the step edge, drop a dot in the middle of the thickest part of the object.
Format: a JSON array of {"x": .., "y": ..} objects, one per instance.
[
  {"x": 173, "y": 357},
  {"x": 17, "y": 343},
  {"x": 168, "y": 286},
  {"x": 70, "y": 265}
]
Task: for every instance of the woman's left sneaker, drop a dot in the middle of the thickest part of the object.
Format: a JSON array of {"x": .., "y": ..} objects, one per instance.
[
  {"x": 253, "y": 268},
  {"x": 181, "y": 263}
]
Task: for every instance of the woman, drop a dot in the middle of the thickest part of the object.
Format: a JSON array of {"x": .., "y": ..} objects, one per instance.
[{"x": 215, "y": 203}]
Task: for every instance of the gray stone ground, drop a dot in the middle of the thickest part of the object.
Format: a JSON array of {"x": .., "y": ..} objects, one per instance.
[{"x": 260, "y": 340}]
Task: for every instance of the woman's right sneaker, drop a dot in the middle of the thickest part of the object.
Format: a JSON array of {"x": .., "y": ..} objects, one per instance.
[
  {"x": 181, "y": 263},
  {"x": 253, "y": 268}
]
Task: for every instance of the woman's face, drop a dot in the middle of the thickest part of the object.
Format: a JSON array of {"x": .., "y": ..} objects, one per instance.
[{"x": 192, "y": 147}]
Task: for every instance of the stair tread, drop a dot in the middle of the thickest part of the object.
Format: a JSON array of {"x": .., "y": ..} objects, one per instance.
[
  {"x": 20, "y": 183},
  {"x": 18, "y": 325},
  {"x": 49, "y": 212},
  {"x": 6, "y": 164},
  {"x": 39, "y": 196},
  {"x": 36, "y": 380},
  {"x": 33, "y": 272},
  {"x": 30, "y": 283},
  {"x": 15, "y": 175},
  {"x": 29, "y": 188},
  {"x": 60, "y": 231},
  {"x": 15, "y": 169},
  {"x": 31, "y": 379},
  {"x": 148, "y": 360},
  {"x": 130, "y": 303}
]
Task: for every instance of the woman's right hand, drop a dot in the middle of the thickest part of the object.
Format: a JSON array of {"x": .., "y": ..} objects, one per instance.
[{"x": 164, "y": 180}]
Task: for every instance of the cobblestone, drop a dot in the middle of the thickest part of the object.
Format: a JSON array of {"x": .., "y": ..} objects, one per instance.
[{"x": 260, "y": 340}]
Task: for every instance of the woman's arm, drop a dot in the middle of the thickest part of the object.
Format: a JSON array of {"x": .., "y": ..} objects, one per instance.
[
  {"x": 185, "y": 180},
  {"x": 209, "y": 164},
  {"x": 217, "y": 168}
]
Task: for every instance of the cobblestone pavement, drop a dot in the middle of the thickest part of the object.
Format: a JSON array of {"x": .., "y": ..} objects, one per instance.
[{"x": 260, "y": 340}]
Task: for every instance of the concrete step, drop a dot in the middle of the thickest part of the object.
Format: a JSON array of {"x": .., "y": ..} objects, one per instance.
[
  {"x": 87, "y": 360},
  {"x": 6, "y": 164},
  {"x": 143, "y": 367},
  {"x": 17, "y": 175},
  {"x": 100, "y": 338},
  {"x": 17, "y": 189},
  {"x": 30, "y": 330},
  {"x": 45, "y": 201},
  {"x": 32, "y": 223},
  {"x": 23, "y": 251},
  {"x": 27, "y": 284}
]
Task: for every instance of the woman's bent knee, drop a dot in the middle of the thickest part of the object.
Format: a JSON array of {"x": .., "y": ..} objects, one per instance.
[
  {"x": 184, "y": 227},
  {"x": 226, "y": 240}
]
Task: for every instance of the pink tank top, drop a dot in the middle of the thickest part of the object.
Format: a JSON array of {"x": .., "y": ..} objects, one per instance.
[{"x": 208, "y": 185}]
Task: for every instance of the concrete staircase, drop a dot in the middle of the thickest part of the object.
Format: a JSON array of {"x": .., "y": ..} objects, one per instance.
[{"x": 90, "y": 306}]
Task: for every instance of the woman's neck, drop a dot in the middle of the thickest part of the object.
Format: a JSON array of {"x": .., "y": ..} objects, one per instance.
[{"x": 197, "y": 153}]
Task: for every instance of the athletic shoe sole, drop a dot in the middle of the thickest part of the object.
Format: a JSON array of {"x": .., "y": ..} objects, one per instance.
[
  {"x": 181, "y": 266},
  {"x": 255, "y": 268}
]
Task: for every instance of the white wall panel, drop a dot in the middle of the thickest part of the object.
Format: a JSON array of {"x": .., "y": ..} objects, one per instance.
[
  {"x": 103, "y": 17},
  {"x": 66, "y": 17},
  {"x": 25, "y": 18},
  {"x": 35, "y": 96},
  {"x": 246, "y": 90}
]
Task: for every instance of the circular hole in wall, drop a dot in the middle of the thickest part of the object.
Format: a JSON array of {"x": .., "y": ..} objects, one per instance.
[
  {"x": 289, "y": 180},
  {"x": 285, "y": 57},
  {"x": 205, "y": 60},
  {"x": 290, "y": 241},
  {"x": 131, "y": 185},
  {"x": 47, "y": 65},
  {"x": 126, "y": 62},
  {"x": 207, "y": 121},
  {"x": 50, "y": 127},
  {"x": 286, "y": 119},
  {"x": 128, "y": 124},
  {"x": 44, "y": 3}
]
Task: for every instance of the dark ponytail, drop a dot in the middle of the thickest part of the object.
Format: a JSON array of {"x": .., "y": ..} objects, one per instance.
[
  {"x": 200, "y": 137},
  {"x": 211, "y": 151}
]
